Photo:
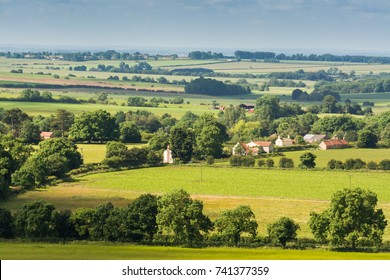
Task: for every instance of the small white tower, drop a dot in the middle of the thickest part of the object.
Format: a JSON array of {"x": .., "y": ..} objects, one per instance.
[{"x": 168, "y": 155}]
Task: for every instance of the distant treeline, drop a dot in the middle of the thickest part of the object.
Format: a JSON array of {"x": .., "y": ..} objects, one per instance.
[
  {"x": 268, "y": 56},
  {"x": 85, "y": 56},
  {"x": 312, "y": 57},
  {"x": 361, "y": 86}
]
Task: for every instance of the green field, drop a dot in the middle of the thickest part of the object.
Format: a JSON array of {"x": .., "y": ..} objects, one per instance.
[
  {"x": 270, "y": 193},
  {"x": 103, "y": 251},
  {"x": 324, "y": 156}
]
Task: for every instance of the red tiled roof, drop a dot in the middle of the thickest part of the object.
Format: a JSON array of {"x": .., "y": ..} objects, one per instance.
[
  {"x": 46, "y": 134},
  {"x": 336, "y": 142}
]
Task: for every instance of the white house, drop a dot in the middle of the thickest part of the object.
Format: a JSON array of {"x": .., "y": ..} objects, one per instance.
[
  {"x": 168, "y": 155},
  {"x": 284, "y": 142}
]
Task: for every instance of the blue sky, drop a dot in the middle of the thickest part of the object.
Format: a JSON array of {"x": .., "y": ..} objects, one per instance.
[{"x": 349, "y": 25}]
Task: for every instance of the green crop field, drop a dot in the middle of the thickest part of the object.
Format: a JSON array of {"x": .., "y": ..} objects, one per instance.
[{"x": 103, "y": 251}]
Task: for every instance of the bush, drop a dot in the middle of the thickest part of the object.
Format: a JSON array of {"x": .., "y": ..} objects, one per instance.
[
  {"x": 269, "y": 162},
  {"x": 248, "y": 161},
  {"x": 261, "y": 163},
  {"x": 286, "y": 163},
  {"x": 6, "y": 223},
  {"x": 283, "y": 231},
  {"x": 235, "y": 160},
  {"x": 354, "y": 164},
  {"x": 384, "y": 164},
  {"x": 335, "y": 164},
  {"x": 210, "y": 160},
  {"x": 372, "y": 165}
]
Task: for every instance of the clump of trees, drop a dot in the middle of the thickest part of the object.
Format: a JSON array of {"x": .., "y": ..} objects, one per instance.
[
  {"x": 55, "y": 157},
  {"x": 351, "y": 164},
  {"x": 214, "y": 88},
  {"x": 118, "y": 155}
]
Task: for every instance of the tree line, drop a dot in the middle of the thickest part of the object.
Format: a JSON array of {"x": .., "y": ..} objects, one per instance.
[
  {"x": 351, "y": 221},
  {"x": 214, "y": 88},
  {"x": 239, "y": 54}
]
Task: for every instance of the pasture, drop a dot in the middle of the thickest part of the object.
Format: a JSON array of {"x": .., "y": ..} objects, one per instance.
[
  {"x": 103, "y": 251},
  {"x": 324, "y": 156},
  {"x": 270, "y": 193}
]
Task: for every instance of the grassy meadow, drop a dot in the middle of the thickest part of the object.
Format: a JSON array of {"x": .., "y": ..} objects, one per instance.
[{"x": 270, "y": 193}]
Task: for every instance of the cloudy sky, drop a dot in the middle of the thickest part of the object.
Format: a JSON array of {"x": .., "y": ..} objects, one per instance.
[{"x": 346, "y": 25}]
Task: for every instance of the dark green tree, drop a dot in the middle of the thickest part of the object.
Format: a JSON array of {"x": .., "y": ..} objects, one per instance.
[
  {"x": 231, "y": 224},
  {"x": 30, "y": 133},
  {"x": 307, "y": 160},
  {"x": 159, "y": 141},
  {"x": 6, "y": 224},
  {"x": 180, "y": 215},
  {"x": 210, "y": 140},
  {"x": 142, "y": 213},
  {"x": 129, "y": 133},
  {"x": 62, "y": 121},
  {"x": 96, "y": 126},
  {"x": 35, "y": 220},
  {"x": 286, "y": 162},
  {"x": 282, "y": 231},
  {"x": 14, "y": 118},
  {"x": 182, "y": 143},
  {"x": 351, "y": 220},
  {"x": 367, "y": 139},
  {"x": 268, "y": 108},
  {"x": 64, "y": 226}
]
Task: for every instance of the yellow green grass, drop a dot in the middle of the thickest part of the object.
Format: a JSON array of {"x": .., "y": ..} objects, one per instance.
[
  {"x": 323, "y": 157},
  {"x": 270, "y": 193},
  {"x": 95, "y": 153},
  {"x": 103, "y": 251}
]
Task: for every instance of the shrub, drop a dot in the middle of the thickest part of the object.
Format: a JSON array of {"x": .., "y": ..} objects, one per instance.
[
  {"x": 261, "y": 163},
  {"x": 384, "y": 164},
  {"x": 286, "y": 162},
  {"x": 235, "y": 160},
  {"x": 269, "y": 163},
  {"x": 210, "y": 160},
  {"x": 282, "y": 231},
  {"x": 354, "y": 164},
  {"x": 248, "y": 161},
  {"x": 372, "y": 165},
  {"x": 335, "y": 164}
]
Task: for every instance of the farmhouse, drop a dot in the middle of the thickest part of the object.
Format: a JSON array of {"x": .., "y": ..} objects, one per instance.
[
  {"x": 46, "y": 135},
  {"x": 253, "y": 148},
  {"x": 334, "y": 144},
  {"x": 312, "y": 138},
  {"x": 284, "y": 142}
]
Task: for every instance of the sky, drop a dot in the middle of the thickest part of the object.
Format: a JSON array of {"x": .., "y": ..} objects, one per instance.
[{"x": 349, "y": 26}]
